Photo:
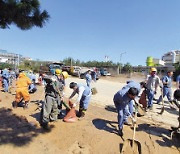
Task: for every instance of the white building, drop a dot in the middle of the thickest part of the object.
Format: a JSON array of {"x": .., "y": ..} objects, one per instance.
[
  {"x": 158, "y": 62},
  {"x": 10, "y": 58},
  {"x": 171, "y": 57}
]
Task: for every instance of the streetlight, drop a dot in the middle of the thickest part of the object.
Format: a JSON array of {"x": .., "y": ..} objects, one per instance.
[{"x": 120, "y": 61}]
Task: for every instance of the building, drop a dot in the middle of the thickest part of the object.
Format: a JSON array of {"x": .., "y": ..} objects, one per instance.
[
  {"x": 10, "y": 58},
  {"x": 171, "y": 57},
  {"x": 158, "y": 62}
]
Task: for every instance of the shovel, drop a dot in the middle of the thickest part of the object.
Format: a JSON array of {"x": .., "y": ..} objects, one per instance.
[
  {"x": 132, "y": 145},
  {"x": 140, "y": 109},
  {"x": 162, "y": 109}
]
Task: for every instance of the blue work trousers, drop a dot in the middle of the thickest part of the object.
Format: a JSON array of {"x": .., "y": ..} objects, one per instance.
[
  {"x": 150, "y": 95},
  {"x": 88, "y": 83},
  {"x": 166, "y": 92},
  {"x": 122, "y": 113},
  {"x": 84, "y": 102},
  {"x": 128, "y": 110},
  {"x": 6, "y": 85}
]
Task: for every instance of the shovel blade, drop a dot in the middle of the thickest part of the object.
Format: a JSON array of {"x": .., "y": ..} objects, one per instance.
[
  {"x": 162, "y": 110},
  {"x": 141, "y": 111},
  {"x": 131, "y": 147}
]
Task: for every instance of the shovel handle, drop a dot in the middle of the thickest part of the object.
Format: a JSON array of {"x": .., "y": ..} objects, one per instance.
[
  {"x": 134, "y": 130},
  {"x": 66, "y": 106},
  {"x": 162, "y": 97},
  {"x": 162, "y": 109}
]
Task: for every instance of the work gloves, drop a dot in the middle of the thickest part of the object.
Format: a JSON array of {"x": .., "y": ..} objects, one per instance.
[
  {"x": 74, "y": 104},
  {"x": 133, "y": 120},
  {"x": 71, "y": 104}
]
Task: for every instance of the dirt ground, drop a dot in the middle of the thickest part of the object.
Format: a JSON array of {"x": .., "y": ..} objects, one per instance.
[{"x": 20, "y": 132}]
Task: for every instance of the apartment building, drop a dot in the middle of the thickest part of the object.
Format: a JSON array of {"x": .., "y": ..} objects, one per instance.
[
  {"x": 171, "y": 57},
  {"x": 10, "y": 58}
]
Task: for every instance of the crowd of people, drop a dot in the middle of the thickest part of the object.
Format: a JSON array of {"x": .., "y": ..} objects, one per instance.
[{"x": 124, "y": 99}]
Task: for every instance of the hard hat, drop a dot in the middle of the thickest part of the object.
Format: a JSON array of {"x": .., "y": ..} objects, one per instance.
[
  {"x": 153, "y": 69},
  {"x": 58, "y": 71},
  {"x": 65, "y": 74}
]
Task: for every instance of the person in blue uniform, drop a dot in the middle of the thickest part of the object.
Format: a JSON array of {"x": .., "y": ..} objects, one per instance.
[
  {"x": 167, "y": 87},
  {"x": 121, "y": 101},
  {"x": 84, "y": 97}
]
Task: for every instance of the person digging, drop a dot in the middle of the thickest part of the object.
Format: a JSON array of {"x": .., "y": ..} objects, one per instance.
[
  {"x": 121, "y": 101},
  {"x": 84, "y": 97}
]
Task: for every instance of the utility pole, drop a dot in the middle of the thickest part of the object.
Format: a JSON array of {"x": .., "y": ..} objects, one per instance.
[
  {"x": 71, "y": 62},
  {"x": 120, "y": 61}
]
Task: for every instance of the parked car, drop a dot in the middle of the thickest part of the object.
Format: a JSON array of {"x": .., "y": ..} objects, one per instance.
[
  {"x": 54, "y": 66},
  {"x": 104, "y": 72},
  {"x": 67, "y": 69},
  {"x": 76, "y": 71},
  {"x": 50, "y": 68}
]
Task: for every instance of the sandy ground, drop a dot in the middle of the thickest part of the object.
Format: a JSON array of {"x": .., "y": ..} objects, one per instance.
[{"x": 95, "y": 134}]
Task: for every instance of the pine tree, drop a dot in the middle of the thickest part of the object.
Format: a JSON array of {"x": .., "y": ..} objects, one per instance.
[{"x": 25, "y": 14}]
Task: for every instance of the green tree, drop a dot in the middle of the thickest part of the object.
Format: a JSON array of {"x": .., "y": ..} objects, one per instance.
[
  {"x": 25, "y": 14},
  {"x": 127, "y": 67},
  {"x": 78, "y": 62},
  {"x": 68, "y": 61},
  {"x": 26, "y": 65},
  {"x": 31, "y": 65},
  {"x": 177, "y": 70},
  {"x": 5, "y": 65}
]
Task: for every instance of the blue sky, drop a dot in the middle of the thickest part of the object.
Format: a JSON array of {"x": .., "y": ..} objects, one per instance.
[{"x": 90, "y": 29}]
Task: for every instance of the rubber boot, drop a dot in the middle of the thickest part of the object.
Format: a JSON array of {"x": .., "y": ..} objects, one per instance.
[
  {"x": 14, "y": 104},
  {"x": 45, "y": 125},
  {"x": 120, "y": 132},
  {"x": 81, "y": 112}
]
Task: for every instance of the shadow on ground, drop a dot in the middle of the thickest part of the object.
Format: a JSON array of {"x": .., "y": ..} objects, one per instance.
[
  {"x": 161, "y": 132},
  {"x": 110, "y": 108},
  {"x": 166, "y": 142},
  {"x": 153, "y": 129},
  {"x": 172, "y": 111},
  {"x": 106, "y": 125},
  {"x": 169, "y": 110},
  {"x": 16, "y": 129}
]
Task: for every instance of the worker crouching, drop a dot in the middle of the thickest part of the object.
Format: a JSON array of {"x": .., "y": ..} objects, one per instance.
[{"x": 22, "y": 85}]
